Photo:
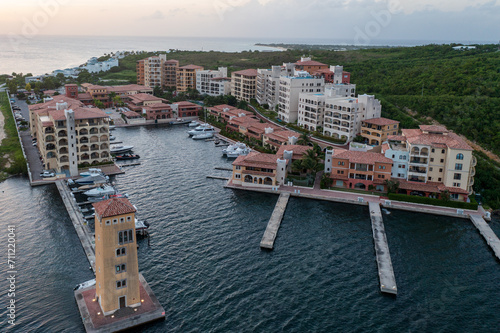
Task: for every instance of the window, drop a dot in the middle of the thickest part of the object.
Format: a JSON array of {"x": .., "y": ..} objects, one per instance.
[
  {"x": 433, "y": 150},
  {"x": 381, "y": 167},
  {"x": 108, "y": 222},
  {"x": 121, "y": 251},
  {"x": 129, "y": 218},
  {"x": 120, "y": 268},
  {"x": 460, "y": 156},
  {"x": 238, "y": 167},
  {"x": 439, "y": 179},
  {"x": 341, "y": 163},
  {"x": 122, "y": 219},
  {"x": 429, "y": 178},
  {"x": 237, "y": 176},
  {"x": 440, "y": 170},
  {"x": 442, "y": 161},
  {"x": 457, "y": 176},
  {"x": 115, "y": 221},
  {"x": 442, "y": 151},
  {"x": 121, "y": 284},
  {"x": 432, "y": 159},
  {"x": 125, "y": 236},
  {"x": 458, "y": 166},
  {"x": 430, "y": 169},
  {"x": 381, "y": 176},
  {"x": 456, "y": 184},
  {"x": 394, "y": 156}
]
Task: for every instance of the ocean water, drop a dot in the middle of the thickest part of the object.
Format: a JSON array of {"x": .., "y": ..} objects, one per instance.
[
  {"x": 207, "y": 270},
  {"x": 43, "y": 54}
]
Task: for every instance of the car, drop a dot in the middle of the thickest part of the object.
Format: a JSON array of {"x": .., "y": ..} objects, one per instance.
[{"x": 47, "y": 174}]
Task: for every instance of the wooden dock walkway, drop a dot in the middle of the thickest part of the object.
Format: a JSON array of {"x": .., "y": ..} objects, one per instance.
[
  {"x": 218, "y": 177},
  {"x": 223, "y": 169},
  {"x": 384, "y": 263},
  {"x": 488, "y": 234},
  {"x": 76, "y": 219},
  {"x": 271, "y": 232}
]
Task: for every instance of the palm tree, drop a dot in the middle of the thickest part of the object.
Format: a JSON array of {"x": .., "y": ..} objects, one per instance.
[
  {"x": 297, "y": 166},
  {"x": 304, "y": 139}
]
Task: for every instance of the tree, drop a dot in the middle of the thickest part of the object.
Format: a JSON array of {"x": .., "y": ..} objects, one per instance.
[
  {"x": 12, "y": 86},
  {"x": 37, "y": 88},
  {"x": 28, "y": 87},
  {"x": 326, "y": 181},
  {"x": 117, "y": 100},
  {"x": 98, "y": 104},
  {"x": 304, "y": 139},
  {"x": 392, "y": 186}
]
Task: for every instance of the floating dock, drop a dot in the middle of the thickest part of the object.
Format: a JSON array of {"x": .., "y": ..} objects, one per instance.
[
  {"x": 384, "y": 263},
  {"x": 271, "y": 232},
  {"x": 488, "y": 234},
  {"x": 218, "y": 177},
  {"x": 224, "y": 169},
  {"x": 74, "y": 213}
]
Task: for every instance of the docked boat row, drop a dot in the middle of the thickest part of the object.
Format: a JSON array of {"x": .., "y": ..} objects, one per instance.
[
  {"x": 119, "y": 149},
  {"x": 235, "y": 150},
  {"x": 202, "y": 132}
]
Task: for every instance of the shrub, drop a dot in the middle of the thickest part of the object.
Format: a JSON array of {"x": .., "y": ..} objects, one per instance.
[{"x": 435, "y": 202}]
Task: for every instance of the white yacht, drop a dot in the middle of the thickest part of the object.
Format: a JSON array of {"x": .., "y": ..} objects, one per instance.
[
  {"x": 202, "y": 136},
  {"x": 100, "y": 191},
  {"x": 117, "y": 149},
  {"x": 194, "y": 123},
  {"x": 204, "y": 128}
]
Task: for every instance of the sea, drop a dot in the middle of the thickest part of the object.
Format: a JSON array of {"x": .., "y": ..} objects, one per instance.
[
  {"x": 43, "y": 54},
  {"x": 207, "y": 270}
]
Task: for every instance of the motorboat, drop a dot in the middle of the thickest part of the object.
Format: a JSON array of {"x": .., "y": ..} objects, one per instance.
[
  {"x": 106, "y": 197},
  {"x": 233, "y": 147},
  {"x": 141, "y": 226},
  {"x": 97, "y": 178},
  {"x": 127, "y": 156},
  {"x": 204, "y": 128},
  {"x": 112, "y": 127},
  {"x": 100, "y": 191},
  {"x": 179, "y": 121},
  {"x": 194, "y": 123},
  {"x": 203, "y": 136},
  {"x": 239, "y": 151},
  {"x": 118, "y": 149},
  {"x": 90, "y": 172},
  {"x": 85, "y": 284},
  {"x": 112, "y": 138}
]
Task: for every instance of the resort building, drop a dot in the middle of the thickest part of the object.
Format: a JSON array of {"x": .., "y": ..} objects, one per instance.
[
  {"x": 397, "y": 150},
  {"x": 91, "y": 92},
  {"x": 157, "y": 71},
  {"x": 257, "y": 130},
  {"x": 185, "y": 109},
  {"x": 213, "y": 83},
  {"x": 334, "y": 75},
  {"x": 268, "y": 81},
  {"x": 186, "y": 77},
  {"x": 358, "y": 170},
  {"x": 225, "y": 112},
  {"x": 343, "y": 116},
  {"x": 309, "y": 65},
  {"x": 69, "y": 134},
  {"x": 244, "y": 84},
  {"x": 289, "y": 90},
  {"x": 311, "y": 111},
  {"x": 376, "y": 130},
  {"x": 275, "y": 139},
  {"x": 258, "y": 170},
  {"x": 152, "y": 107},
  {"x": 241, "y": 124},
  {"x": 117, "y": 270}
]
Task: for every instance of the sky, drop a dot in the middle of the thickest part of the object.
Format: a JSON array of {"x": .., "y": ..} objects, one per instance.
[{"x": 360, "y": 20}]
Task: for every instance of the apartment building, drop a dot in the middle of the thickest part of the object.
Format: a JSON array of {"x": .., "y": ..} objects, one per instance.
[
  {"x": 275, "y": 139},
  {"x": 139, "y": 70},
  {"x": 70, "y": 134},
  {"x": 225, "y": 112},
  {"x": 186, "y": 77},
  {"x": 258, "y": 170},
  {"x": 157, "y": 71},
  {"x": 92, "y": 92},
  {"x": 185, "y": 109},
  {"x": 308, "y": 65},
  {"x": 358, "y": 169},
  {"x": 343, "y": 116},
  {"x": 289, "y": 90},
  {"x": 376, "y": 130},
  {"x": 311, "y": 111},
  {"x": 268, "y": 81},
  {"x": 213, "y": 82},
  {"x": 334, "y": 75},
  {"x": 170, "y": 74},
  {"x": 396, "y": 149},
  {"x": 152, "y": 107},
  {"x": 244, "y": 84}
]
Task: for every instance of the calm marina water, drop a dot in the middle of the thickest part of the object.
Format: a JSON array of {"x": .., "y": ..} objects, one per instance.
[{"x": 207, "y": 270}]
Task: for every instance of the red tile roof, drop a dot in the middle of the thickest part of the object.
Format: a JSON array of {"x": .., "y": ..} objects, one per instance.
[
  {"x": 310, "y": 63},
  {"x": 142, "y": 97},
  {"x": 432, "y": 187},
  {"x": 362, "y": 157},
  {"x": 450, "y": 139},
  {"x": 113, "y": 207},
  {"x": 261, "y": 127},
  {"x": 79, "y": 113},
  {"x": 282, "y": 136},
  {"x": 298, "y": 151},
  {"x": 191, "y": 67},
  {"x": 433, "y": 128},
  {"x": 221, "y": 107},
  {"x": 247, "y": 72},
  {"x": 396, "y": 138},
  {"x": 258, "y": 160},
  {"x": 381, "y": 121}
]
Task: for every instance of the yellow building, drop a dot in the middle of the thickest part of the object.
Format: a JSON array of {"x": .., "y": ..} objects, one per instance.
[
  {"x": 244, "y": 84},
  {"x": 117, "y": 271},
  {"x": 258, "y": 170},
  {"x": 186, "y": 77},
  {"x": 376, "y": 130}
]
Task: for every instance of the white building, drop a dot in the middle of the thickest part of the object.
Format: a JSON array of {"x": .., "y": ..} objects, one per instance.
[
  {"x": 213, "y": 82},
  {"x": 343, "y": 116},
  {"x": 397, "y": 150},
  {"x": 311, "y": 110},
  {"x": 289, "y": 90},
  {"x": 95, "y": 66},
  {"x": 340, "y": 90},
  {"x": 268, "y": 81}
]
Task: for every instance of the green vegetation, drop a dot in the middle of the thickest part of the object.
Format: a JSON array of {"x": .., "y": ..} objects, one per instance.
[
  {"x": 435, "y": 202},
  {"x": 11, "y": 155}
]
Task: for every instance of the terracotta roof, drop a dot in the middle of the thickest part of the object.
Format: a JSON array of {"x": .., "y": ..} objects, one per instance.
[
  {"x": 51, "y": 105},
  {"x": 131, "y": 114},
  {"x": 191, "y": 67},
  {"x": 221, "y": 107},
  {"x": 220, "y": 79},
  {"x": 433, "y": 128},
  {"x": 247, "y": 72},
  {"x": 186, "y": 103},
  {"x": 172, "y": 61},
  {"x": 258, "y": 160},
  {"x": 129, "y": 88},
  {"x": 381, "y": 121},
  {"x": 323, "y": 71},
  {"x": 84, "y": 96},
  {"x": 450, "y": 139},
  {"x": 362, "y": 157},
  {"x": 410, "y": 133},
  {"x": 283, "y": 135},
  {"x": 113, "y": 207},
  {"x": 396, "y": 138},
  {"x": 432, "y": 187},
  {"x": 142, "y": 97},
  {"x": 298, "y": 151},
  {"x": 310, "y": 63},
  {"x": 80, "y": 113},
  {"x": 261, "y": 127}
]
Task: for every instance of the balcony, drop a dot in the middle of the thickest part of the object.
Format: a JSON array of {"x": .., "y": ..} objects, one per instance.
[
  {"x": 474, "y": 161},
  {"x": 471, "y": 181},
  {"x": 417, "y": 160}
]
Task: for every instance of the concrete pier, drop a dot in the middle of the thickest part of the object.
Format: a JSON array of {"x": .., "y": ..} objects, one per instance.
[
  {"x": 271, "y": 232},
  {"x": 218, "y": 177},
  {"x": 384, "y": 263},
  {"x": 488, "y": 234},
  {"x": 76, "y": 218}
]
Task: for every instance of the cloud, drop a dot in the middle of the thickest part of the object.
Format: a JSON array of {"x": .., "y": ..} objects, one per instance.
[{"x": 157, "y": 15}]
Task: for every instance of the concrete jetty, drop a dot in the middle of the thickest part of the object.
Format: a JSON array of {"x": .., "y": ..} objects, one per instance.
[
  {"x": 384, "y": 263},
  {"x": 271, "y": 232},
  {"x": 85, "y": 237},
  {"x": 488, "y": 234},
  {"x": 218, "y": 177}
]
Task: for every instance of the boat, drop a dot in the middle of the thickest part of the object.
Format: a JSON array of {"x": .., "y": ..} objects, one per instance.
[
  {"x": 112, "y": 138},
  {"x": 127, "y": 156},
  {"x": 179, "y": 121},
  {"x": 106, "y": 197},
  {"x": 238, "y": 151},
  {"x": 112, "y": 127},
  {"x": 205, "y": 128},
  {"x": 118, "y": 149},
  {"x": 140, "y": 226},
  {"x": 194, "y": 123},
  {"x": 85, "y": 284},
  {"x": 93, "y": 178},
  {"x": 233, "y": 147},
  {"x": 203, "y": 136},
  {"x": 90, "y": 172},
  {"x": 100, "y": 191}
]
